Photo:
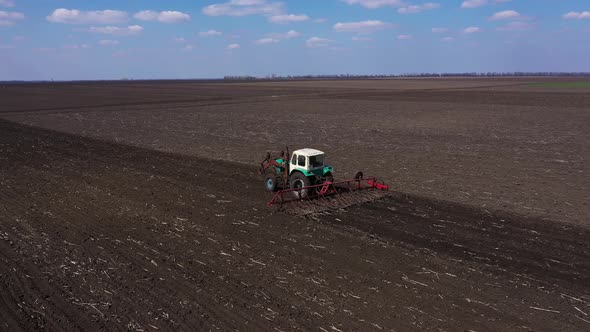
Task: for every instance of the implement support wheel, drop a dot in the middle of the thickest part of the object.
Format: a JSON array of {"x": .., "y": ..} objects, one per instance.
[{"x": 270, "y": 182}]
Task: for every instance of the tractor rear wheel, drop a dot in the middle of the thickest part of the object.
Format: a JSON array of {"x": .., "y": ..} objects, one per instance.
[
  {"x": 270, "y": 182},
  {"x": 298, "y": 180}
]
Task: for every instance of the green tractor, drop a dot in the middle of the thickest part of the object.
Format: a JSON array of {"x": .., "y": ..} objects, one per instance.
[{"x": 304, "y": 168}]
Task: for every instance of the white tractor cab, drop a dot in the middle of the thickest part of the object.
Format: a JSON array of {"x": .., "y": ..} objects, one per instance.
[
  {"x": 307, "y": 167},
  {"x": 310, "y": 162}
]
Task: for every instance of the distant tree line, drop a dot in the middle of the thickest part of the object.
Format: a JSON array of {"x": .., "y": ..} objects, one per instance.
[
  {"x": 334, "y": 77},
  {"x": 409, "y": 75},
  {"x": 240, "y": 78}
]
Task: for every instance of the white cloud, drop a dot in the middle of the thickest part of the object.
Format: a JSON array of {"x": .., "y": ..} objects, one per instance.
[
  {"x": 404, "y": 37},
  {"x": 146, "y": 15},
  {"x": 277, "y": 37},
  {"x": 290, "y": 18},
  {"x": 108, "y": 42},
  {"x": 361, "y": 27},
  {"x": 118, "y": 31},
  {"x": 210, "y": 33},
  {"x": 264, "y": 41},
  {"x": 472, "y": 30},
  {"x": 173, "y": 17},
  {"x": 247, "y": 2},
  {"x": 474, "y": 3},
  {"x": 440, "y": 30},
  {"x": 7, "y": 47},
  {"x": 233, "y": 46},
  {"x": 179, "y": 40},
  {"x": 75, "y": 16},
  {"x": 505, "y": 15},
  {"x": 188, "y": 47},
  {"x": 320, "y": 20},
  {"x": 373, "y": 4},
  {"x": 316, "y": 42},
  {"x": 7, "y": 3},
  {"x": 361, "y": 39},
  {"x": 577, "y": 15},
  {"x": 244, "y": 8},
  {"x": 286, "y": 35},
  {"x": 412, "y": 9},
  {"x": 169, "y": 16},
  {"x": 10, "y": 18},
  {"x": 480, "y": 3},
  {"x": 448, "y": 39},
  {"x": 516, "y": 26}
]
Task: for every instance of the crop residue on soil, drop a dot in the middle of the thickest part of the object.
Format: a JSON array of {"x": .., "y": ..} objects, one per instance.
[{"x": 104, "y": 227}]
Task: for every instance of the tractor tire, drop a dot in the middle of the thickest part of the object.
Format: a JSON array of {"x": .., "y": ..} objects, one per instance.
[
  {"x": 358, "y": 176},
  {"x": 270, "y": 182},
  {"x": 329, "y": 177},
  {"x": 298, "y": 180}
]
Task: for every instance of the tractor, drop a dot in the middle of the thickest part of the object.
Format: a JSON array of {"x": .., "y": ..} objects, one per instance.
[
  {"x": 305, "y": 176},
  {"x": 305, "y": 168}
]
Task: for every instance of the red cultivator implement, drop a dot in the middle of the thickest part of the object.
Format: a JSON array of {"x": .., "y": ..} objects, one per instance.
[
  {"x": 330, "y": 195},
  {"x": 303, "y": 184}
]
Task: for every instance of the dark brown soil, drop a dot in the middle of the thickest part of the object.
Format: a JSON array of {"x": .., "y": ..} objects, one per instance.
[
  {"x": 97, "y": 234},
  {"x": 515, "y": 150}
]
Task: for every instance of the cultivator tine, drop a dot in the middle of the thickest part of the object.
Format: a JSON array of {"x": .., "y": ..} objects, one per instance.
[{"x": 337, "y": 195}]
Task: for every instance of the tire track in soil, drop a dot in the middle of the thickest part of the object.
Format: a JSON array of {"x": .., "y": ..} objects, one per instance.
[{"x": 96, "y": 235}]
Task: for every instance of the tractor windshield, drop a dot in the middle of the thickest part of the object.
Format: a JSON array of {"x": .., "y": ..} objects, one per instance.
[{"x": 316, "y": 161}]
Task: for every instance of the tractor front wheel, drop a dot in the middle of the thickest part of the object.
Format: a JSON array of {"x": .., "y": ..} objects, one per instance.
[{"x": 298, "y": 180}]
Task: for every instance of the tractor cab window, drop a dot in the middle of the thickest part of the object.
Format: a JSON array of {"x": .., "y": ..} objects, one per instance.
[
  {"x": 294, "y": 160},
  {"x": 316, "y": 161},
  {"x": 301, "y": 161}
]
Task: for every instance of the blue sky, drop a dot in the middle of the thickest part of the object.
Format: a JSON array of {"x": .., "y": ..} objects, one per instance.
[{"x": 114, "y": 39}]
